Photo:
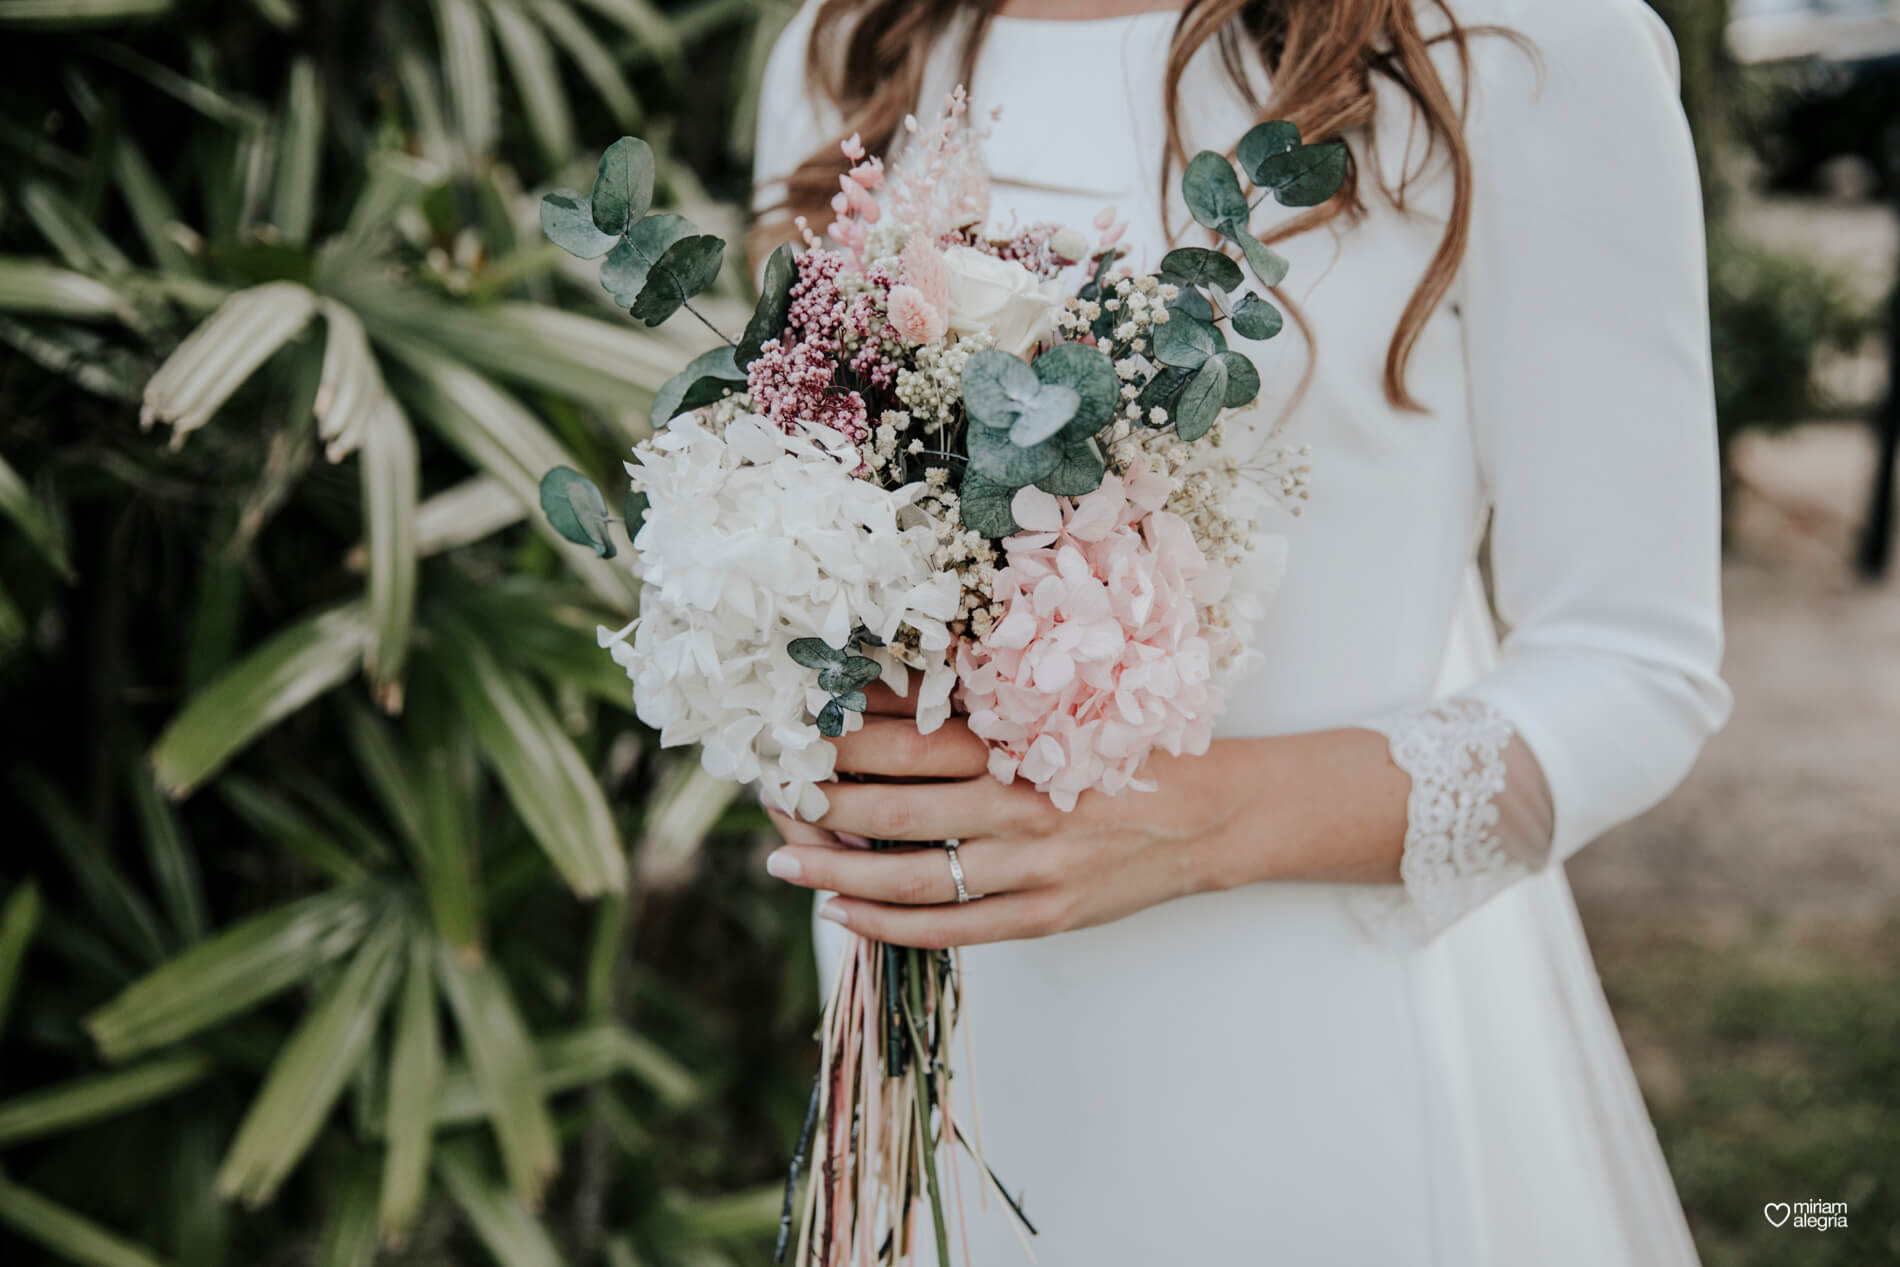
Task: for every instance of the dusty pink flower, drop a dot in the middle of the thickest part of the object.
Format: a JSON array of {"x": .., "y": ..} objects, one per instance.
[
  {"x": 1100, "y": 657},
  {"x": 914, "y": 317},
  {"x": 921, "y": 266}
]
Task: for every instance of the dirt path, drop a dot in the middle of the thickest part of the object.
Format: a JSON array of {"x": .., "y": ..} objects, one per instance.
[{"x": 1793, "y": 811}]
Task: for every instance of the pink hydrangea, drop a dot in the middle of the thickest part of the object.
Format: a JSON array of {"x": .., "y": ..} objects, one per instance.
[{"x": 1100, "y": 656}]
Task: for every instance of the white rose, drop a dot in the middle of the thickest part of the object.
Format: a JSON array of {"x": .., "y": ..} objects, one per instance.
[{"x": 1000, "y": 297}]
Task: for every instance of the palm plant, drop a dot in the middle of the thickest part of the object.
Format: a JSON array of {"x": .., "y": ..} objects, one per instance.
[{"x": 291, "y": 941}]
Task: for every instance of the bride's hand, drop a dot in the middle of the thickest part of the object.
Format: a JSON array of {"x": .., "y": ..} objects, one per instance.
[{"x": 1039, "y": 870}]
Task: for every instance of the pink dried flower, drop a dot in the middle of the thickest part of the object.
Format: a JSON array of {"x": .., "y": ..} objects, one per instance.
[
  {"x": 921, "y": 266},
  {"x": 938, "y": 183},
  {"x": 919, "y": 304},
  {"x": 914, "y": 317},
  {"x": 1100, "y": 657}
]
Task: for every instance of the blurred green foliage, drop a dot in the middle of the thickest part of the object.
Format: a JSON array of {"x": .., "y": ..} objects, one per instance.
[
  {"x": 1772, "y": 311},
  {"x": 337, "y": 865},
  {"x": 1771, "y": 1075}
]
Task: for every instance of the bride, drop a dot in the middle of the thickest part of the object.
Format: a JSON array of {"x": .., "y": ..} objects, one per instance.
[{"x": 1323, "y": 997}]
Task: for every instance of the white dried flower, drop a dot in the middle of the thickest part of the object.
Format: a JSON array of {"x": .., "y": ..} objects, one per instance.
[{"x": 753, "y": 538}]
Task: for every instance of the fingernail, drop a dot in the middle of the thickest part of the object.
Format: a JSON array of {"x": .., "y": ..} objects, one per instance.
[
  {"x": 832, "y": 911},
  {"x": 783, "y": 865},
  {"x": 853, "y": 839}
]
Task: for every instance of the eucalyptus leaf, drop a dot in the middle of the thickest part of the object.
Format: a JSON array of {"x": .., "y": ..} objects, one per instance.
[
  {"x": 995, "y": 386},
  {"x": 1201, "y": 400},
  {"x": 1306, "y": 176},
  {"x": 774, "y": 307},
  {"x": 567, "y": 218},
  {"x": 992, "y": 453},
  {"x": 1184, "y": 342},
  {"x": 1090, "y": 375},
  {"x": 706, "y": 378},
  {"x": 852, "y": 701},
  {"x": 1256, "y": 318},
  {"x": 1162, "y": 390},
  {"x": 1243, "y": 380},
  {"x": 634, "y": 509},
  {"x": 1199, "y": 266},
  {"x": 1193, "y": 303},
  {"x": 624, "y": 275},
  {"x": 1044, "y": 414},
  {"x": 985, "y": 503},
  {"x": 1079, "y": 470},
  {"x": 815, "y": 653},
  {"x": 686, "y": 268},
  {"x": 1263, "y": 141},
  {"x": 831, "y": 719},
  {"x": 576, "y": 510},
  {"x": 623, "y": 189},
  {"x": 1213, "y": 191},
  {"x": 1268, "y": 264},
  {"x": 856, "y": 673}
]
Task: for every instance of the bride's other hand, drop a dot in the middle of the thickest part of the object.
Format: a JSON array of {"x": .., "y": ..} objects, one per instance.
[{"x": 1214, "y": 821}]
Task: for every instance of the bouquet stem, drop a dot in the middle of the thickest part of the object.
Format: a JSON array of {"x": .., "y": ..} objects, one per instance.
[{"x": 880, "y": 1113}]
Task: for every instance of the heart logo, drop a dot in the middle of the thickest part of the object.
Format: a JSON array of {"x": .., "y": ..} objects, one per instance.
[{"x": 1777, "y": 1212}]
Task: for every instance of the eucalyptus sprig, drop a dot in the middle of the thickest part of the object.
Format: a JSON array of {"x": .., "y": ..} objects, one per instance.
[
  {"x": 655, "y": 263},
  {"x": 840, "y": 672}
]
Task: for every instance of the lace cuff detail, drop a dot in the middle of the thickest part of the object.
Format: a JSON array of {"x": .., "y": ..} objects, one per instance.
[{"x": 1479, "y": 817}]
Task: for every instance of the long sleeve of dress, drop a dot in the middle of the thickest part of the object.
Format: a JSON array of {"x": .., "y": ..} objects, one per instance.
[{"x": 1584, "y": 305}]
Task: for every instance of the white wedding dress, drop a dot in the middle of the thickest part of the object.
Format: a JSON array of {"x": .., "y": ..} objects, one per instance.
[{"x": 1420, "y": 1074}]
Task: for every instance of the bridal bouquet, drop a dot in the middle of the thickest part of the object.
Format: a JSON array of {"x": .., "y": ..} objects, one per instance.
[{"x": 979, "y": 463}]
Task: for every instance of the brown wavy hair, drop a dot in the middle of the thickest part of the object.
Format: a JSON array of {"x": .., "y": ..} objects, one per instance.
[{"x": 869, "y": 57}]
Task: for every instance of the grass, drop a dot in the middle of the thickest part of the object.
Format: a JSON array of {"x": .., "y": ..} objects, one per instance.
[{"x": 1772, "y": 1069}]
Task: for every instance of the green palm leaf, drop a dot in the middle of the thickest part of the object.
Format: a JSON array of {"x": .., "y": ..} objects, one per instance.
[
  {"x": 645, "y": 22},
  {"x": 18, "y": 504},
  {"x": 217, "y": 357},
  {"x": 65, "y": 1234},
  {"x": 557, "y": 795},
  {"x": 272, "y": 682},
  {"x": 311, "y": 1070},
  {"x": 537, "y": 80},
  {"x": 415, "y": 1069},
  {"x": 72, "y": 13},
  {"x": 91, "y": 1099},
  {"x": 233, "y": 972},
  {"x": 300, "y": 148},
  {"x": 34, "y": 287},
  {"x": 593, "y": 60},
  {"x": 349, "y": 1225},
  {"x": 115, "y": 900},
  {"x": 174, "y": 866},
  {"x": 278, "y": 821},
  {"x": 19, "y": 920},
  {"x": 457, "y": 516},
  {"x": 470, "y": 67},
  {"x": 389, "y": 499},
  {"x": 80, "y": 242},
  {"x": 505, "y": 1224},
  {"x": 496, "y": 1043},
  {"x": 493, "y": 431}
]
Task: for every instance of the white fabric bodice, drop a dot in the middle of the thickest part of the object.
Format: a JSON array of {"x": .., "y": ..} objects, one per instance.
[{"x": 1283, "y": 1050}]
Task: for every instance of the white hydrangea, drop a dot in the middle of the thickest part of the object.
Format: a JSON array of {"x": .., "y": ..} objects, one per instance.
[{"x": 753, "y": 538}]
